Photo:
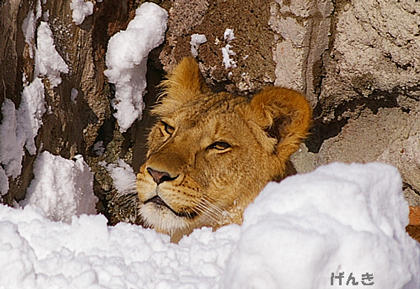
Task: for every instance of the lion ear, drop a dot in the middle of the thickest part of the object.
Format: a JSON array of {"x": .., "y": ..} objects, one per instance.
[
  {"x": 184, "y": 84},
  {"x": 283, "y": 114}
]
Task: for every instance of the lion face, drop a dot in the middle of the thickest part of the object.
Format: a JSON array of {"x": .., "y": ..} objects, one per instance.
[{"x": 211, "y": 154}]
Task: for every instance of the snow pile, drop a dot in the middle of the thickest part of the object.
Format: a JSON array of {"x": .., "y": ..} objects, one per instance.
[
  {"x": 20, "y": 127},
  {"x": 29, "y": 25},
  {"x": 196, "y": 41},
  {"x": 122, "y": 175},
  {"x": 29, "y": 115},
  {"x": 47, "y": 60},
  {"x": 4, "y": 183},
  {"x": 344, "y": 220},
  {"x": 126, "y": 60},
  {"x": 81, "y": 10},
  {"x": 11, "y": 142},
  {"x": 227, "y": 51},
  {"x": 61, "y": 188},
  {"x": 341, "y": 223}
]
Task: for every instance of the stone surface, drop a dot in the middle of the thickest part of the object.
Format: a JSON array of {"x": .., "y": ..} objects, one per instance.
[{"x": 252, "y": 44}]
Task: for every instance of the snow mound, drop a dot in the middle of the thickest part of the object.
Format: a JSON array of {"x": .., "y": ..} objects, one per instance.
[
  {"x": 341, "y": 223},
  {"x": 347, "y": 219},
  {"x": 126, "y": 60},
  {"x": 122, "y": 175},
  {"x": 62, "y": 188},
  {"x": 47, "y": 60},
  {"x": 80, "y": 10}
]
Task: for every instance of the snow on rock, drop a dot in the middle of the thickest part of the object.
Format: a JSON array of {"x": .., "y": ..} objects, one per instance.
[
  {"x": 11, "y": 148},
  {"x": 62, "y": 188},
  {"x": 29, "y": 25},
  {"x": 196, "y": 41},
  {"x": 126, "y": 60},
  {"x": 20, "y": 127},
  {"x": 4, "y": 183},
  {"x": 227, "y": 51},
  {"x": 228, "y": 35},
  {"x": 30, "y": 112},
  {"x": 122, "y": 175},
  {"x": 47, "y": 60},
  {"x": 306, "y": 232},
  {"x": 81, "y": 10}
]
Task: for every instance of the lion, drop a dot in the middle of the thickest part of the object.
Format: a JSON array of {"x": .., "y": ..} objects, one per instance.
[{"x": 210, "y": 154}]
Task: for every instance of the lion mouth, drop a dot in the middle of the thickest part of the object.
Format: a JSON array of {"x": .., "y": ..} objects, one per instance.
[{"x": 158, "y": 201}]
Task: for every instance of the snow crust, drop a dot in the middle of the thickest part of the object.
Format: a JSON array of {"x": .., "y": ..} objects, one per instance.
[
  {"x": 339, "y": 218},
  {"x": 227, "y": 51},
  {"x": 47, "y": 60},
  {"x": 4, "y": 183},
  {"x": 80, "y": 10},
  {"x": 126, "y": 60},
  {"x": 123, "y": 176},
  {"x": 20, "y": 127},
  {"x": 61, "y": 188},
  {"x": 196, "y": 41}
]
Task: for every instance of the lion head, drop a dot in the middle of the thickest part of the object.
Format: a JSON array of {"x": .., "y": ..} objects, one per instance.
[{"x": 210, "y": 154}]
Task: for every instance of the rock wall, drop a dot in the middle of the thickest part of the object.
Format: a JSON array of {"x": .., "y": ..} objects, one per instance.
[{"x": 358, "y": 62}]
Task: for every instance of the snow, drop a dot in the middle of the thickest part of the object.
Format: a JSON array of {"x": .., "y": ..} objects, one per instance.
[
  {"x": 47, "y": 60},
  {"x": 29, "y": 115},
  {"x": 305, "y": 232},
  {"x": 20, "y": 127},
  {"x": 99, "y": 148},
  {"x": 228, "y": 35},
  {"x": 227, "y": 51},
  {"x": 126, "y": 61},
  {"x": 61, "y": 188},
  {"x": 80, "y": 10},
  {"x": 4, "y": 183},
  {"x": 196, "y": 41},
  {"x": 122, "y": 175},
  {"x": 29, "y": 25},
  {"x": 11, "y": 149},
  {"x": 28, "y": 29},
  {"x": 73, "y": 95}
]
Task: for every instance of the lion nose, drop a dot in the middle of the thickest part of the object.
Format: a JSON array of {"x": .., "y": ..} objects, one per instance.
[{"x": 160, "y": 177}]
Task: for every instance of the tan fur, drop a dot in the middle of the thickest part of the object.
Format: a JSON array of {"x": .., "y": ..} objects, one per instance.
[{"x": 217, "y": 151}]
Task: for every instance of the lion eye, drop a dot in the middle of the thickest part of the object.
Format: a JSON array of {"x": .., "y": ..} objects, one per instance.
[
  {"x": 168, "y": 129},
  {"x": 220, "y": 145}
]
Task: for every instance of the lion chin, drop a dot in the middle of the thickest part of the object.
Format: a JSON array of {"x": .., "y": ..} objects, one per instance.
[{"x": 210, "y": 154}]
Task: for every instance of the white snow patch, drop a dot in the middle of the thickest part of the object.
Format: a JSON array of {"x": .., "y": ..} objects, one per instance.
[
  {"x": 227, "y": 51},
  {"x": 47, "y": 60},
  {"x": 62, "y": 188},
  {"x": 228, "y": 35},
  {"x": 196, "y": 41},
  {"x": 340, "y": 219},
  {"x": 73, "y": 95},
  {"x": 81, "y": 10},
  {"x": 29, "y": 115},
  {"x": 98, "y": 148},
  {"x": 19, "y": 128},
  {"x": 28, "y": 28},
  {"x": 11, "y": 147},
  {"x": 126, "y": 60},
  {"x": 123, "y": 176},
  {"x": 4, "y": 183},
  {"x": 29, "y": 25}
]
